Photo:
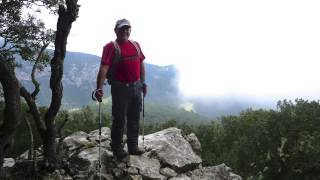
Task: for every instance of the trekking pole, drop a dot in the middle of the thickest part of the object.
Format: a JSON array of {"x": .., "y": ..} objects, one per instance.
[
  {"x": 143, "y": 121},
  {"x": 100, "y": 124}
]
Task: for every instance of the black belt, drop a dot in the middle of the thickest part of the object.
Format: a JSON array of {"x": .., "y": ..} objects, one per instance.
[{"x": 127, "y": 84}]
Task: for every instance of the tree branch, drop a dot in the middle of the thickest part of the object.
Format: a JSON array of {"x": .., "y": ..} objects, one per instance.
[
  {"x": 34, "y": 81},
  {"x": 33, "y": 110},
  {"x": 65, "y": 20}
]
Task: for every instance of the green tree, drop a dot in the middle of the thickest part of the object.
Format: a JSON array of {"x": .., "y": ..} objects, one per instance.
[
  {"x": 281, "y": 144},
  {"x": 28, "y": 38}
]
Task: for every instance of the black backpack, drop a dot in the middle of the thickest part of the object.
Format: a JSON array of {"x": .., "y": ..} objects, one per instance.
[{"x": 117, "y": 58}]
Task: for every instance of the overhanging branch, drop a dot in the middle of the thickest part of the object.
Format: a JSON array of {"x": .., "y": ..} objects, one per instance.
[{"x": 34, "y": 81}]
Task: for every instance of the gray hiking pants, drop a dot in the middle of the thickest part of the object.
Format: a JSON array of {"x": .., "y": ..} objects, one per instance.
[{"x": 126, "y": 104}]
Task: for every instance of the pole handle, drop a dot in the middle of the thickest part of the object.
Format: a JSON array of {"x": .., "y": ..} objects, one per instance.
[{"x": 93, "y": 95}]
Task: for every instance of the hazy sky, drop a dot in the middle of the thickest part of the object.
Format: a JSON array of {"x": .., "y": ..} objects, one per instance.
[{"x": 251, "y": 48}]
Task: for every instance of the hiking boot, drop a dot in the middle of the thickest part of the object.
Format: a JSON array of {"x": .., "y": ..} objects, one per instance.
[
  {"x": 135, "y": 150},
  {"x": 119, "y": 153}
]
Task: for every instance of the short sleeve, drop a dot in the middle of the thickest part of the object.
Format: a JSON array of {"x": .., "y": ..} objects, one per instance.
[
  {"x": 107, "y": 54},
  {"x": 142, "y": 57}
]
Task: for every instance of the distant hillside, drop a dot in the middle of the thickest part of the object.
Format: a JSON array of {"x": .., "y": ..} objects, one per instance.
[
  {"x": 159, "y": 113},
  {"x": 79, "y": 80}
]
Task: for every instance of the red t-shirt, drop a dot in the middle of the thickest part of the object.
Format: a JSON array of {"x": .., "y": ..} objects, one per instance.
[{"x": 128, "y": 69}]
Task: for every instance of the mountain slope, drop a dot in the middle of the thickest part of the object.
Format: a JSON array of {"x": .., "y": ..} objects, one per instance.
[{"x": 79, "y": 80}]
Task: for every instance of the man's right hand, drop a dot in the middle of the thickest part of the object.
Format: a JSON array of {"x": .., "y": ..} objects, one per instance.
[{"x": 97, "y": 95}]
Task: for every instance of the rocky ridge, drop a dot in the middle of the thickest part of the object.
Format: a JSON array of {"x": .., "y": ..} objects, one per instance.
[{"x": 169, "y": 155}]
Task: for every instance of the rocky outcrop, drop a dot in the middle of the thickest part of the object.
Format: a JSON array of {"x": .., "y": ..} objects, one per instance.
[
  {"x": 172, "y": 150},
  {"x": 169, "y": 155}
]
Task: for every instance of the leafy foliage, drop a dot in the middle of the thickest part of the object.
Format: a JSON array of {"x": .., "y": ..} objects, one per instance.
[
  {"x": 262, "y": 144},
  {"x": 258, "y": 144},
  {"x": 86, "y": 119},
  {"x": 24, "y": 36}
]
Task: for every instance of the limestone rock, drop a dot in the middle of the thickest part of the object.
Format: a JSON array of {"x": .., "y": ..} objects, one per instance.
[
  {"x": 219, "y": 172},
  {"x": 169, "y": 156},
  {"x": 5, "y": 171},
  {"x": 105, "y": 135},
  {"x": 8, "y": 162},
  {"x": 133, "y": 177},
  {"x": 86, "y": 159},
  {"x": 76, "y": 140},
  {"x": 181, "y": 177},
  {"x": 173, "y": 150},
  {"x": 148, "y": 167},
  {"x": 168, "y": 172},
  {"x": 195, "y": 143}
]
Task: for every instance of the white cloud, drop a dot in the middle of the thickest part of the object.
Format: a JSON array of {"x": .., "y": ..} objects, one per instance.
[{"x": 250, "y": 48}]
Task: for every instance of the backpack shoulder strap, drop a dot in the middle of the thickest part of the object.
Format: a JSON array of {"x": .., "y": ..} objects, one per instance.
[
  {"x": 135, "y": 44},
  {"x": 114, "y": 61},
  {"x": 117, "y": 51}
]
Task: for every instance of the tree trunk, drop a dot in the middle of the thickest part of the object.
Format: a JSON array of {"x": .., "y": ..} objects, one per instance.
[
  {"x": 12, "y": 110},
  {"x": 49, "y": 148},
  {"x": 66, "y": 17}
]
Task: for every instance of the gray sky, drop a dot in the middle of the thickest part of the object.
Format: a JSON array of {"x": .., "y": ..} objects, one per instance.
[{"x": 251, "y": 48}]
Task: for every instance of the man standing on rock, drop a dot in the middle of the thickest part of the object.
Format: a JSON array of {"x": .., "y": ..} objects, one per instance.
[{"x": 122, "y": 64}]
